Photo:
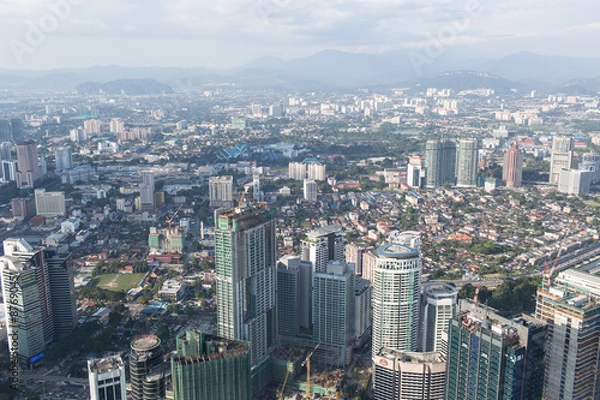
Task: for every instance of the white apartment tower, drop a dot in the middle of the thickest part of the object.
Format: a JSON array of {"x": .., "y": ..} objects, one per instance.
[
  {"x": 438, "y": 308},
  {"x": 322, "y": 245},
  {"x": 561, "y": 156},
  {"x": 107, "y": 378},
  {"x": 310, "y": 190},
  {"x": 220, "y": 190}
]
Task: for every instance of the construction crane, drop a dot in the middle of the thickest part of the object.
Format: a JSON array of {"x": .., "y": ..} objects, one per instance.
[
  {"x": 242, "y": 197},
  {"x": 169, "y": 220},
  {"x": 307, "y": 362},
  {"x": 280, "y": 392},
  {"x": 475, "y": 297}
]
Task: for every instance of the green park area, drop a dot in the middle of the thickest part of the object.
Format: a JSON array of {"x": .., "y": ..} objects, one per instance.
[{"x": 118, "y": 282}]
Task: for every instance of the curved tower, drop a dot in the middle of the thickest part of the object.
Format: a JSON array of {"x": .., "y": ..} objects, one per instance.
[{"x": 439, "y": 307}]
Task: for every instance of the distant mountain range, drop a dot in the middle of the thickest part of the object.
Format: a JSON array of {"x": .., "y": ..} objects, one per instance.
[{"x": 331, "y": 70}]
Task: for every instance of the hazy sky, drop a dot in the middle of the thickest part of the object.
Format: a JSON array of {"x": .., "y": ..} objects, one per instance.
[{"x": 44, "y": 34}]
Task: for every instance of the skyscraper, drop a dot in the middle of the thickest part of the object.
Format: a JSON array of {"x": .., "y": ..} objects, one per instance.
[
  {"x": 5, "y": 154},
  {"x": 310, "y": 190},
  {"x": 29, "y": 170},
  {"x": 440, "y": 161},
  {"x": 491, "y": 357},
  {"x": 294, "y": 286},
  {"x": 409, "y": 376},
  {"x": 561, "y": 156},
  {"x": 396, "y": 298},
  {"x": 512, "y": 173},
  {"x": 145, "y": 368},
  {"x": 107, "y": 378},
  {"x": 220, "y": 190},
  {"x": 147, "y": 191},
  {"x": 245, "y": 263},
  {"x": 333, "y": 312},
  {"x": 575, "y": 181},
  {"x": 17, "y": 129},
  {"x": 438, "y": 308},
  {"x": 571, "y": 308},
  {"x": 209, "y": 367},
  {"x": 467, "y": 153},
  {"x": 322, "y": 245},
  {"x": 63, "y": 158}
]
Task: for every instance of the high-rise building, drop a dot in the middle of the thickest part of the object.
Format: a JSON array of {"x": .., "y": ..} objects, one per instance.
[
  {"x": 63, "y": 158},
  {"x": 220, "y": 190},
  {"x": 5, "y": 130},
  {"x": 571, "y": 308},
  {"x": 62, "y": 291},
  {"x": 147, "y": 189},
  {"x": 440, "y": 161},
  {"x": 308, "y": 169},
  {"x": 363, "y": 292},
  {"x": 5, "y": 154},
  {"x": 310, "y": 190},
  {"x": 9, "y": 170},
  {"x": 396, "y": 298},
  {"x": 591, "y": 162},
  {"x": 297, "y": 171},
  {"x": 467, "y": 153},
  {"x": 414, "y": 178},
  {"x": 315, "y": 171},
  {"x": 322, "y": 245},
  {"x": 512, "y": 172},
  {"x": 23, "y": 207},
  {"x": 93, "y": 126},
  {"x": 438, "y": 308},
  {"x": 78, "y": 135},
  {"x": 23, "y": 307},
  {"x": 107, "y": 378},
  {"x": 560, "y": 157},
  {"x": 17, "y": 129},
  {"x": 574, "y": 181},
  {"x": 294, "y": 293},
  {"x": 50, "y": 204},
  {"x": 210, "y": 367},
  {"x": 29, "y": 170},
  {"x": 333, "y": 312},
  {"x": 353, "y": 253},
  {"x": 146, "y": 372},
  {"x": 491, "y": 357},
  {"x": 408, "y": 376},
  {"x": 116, "y": 126},
  {"x": 245, "y": 263}
]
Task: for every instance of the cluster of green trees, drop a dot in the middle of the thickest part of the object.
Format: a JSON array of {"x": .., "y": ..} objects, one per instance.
[
  {"x": 513, "y": 297},
  {"x": 113, "y": 267},
  {"x": 99, "y": 294}
]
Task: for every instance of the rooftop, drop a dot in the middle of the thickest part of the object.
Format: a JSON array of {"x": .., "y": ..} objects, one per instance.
[{"x": 395, "y": 250}]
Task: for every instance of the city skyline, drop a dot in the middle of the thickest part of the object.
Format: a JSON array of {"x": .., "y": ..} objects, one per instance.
[{"x": 235, "y": 33}]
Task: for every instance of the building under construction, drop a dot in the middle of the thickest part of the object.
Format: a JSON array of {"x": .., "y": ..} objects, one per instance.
[{"x": 208, "y": 367}]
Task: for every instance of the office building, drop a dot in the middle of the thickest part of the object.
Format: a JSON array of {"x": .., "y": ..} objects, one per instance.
[
  {"x": 512, "y": 172},
  {"x": 323, "y": 245},
  {"x": 560, "y": 157},
  {"x": 5, "y": 131},
  {"x": 78, "y": 135},
  {"x": 414, "y": 176},
  {"x": 208, "y": 367},
  {"x": 294, "y": 294},
  {"x": 50, "y": 204},
  {"x": 363, "y": 291},
  {"x": 5, "y": 151},
  {"x": 245, "y": 263},
  {"x": 467, "y": 154},
  {"x": 408, "y": 376},
  {"x": 396, "y": 298},
  {"x": 146, "y": 372},
  {"x": 116, "y": 126},
  {"x": 147, "y": 189},
  {"x": 29, "y": 171},
  {"x": 574, "y": 181},
  {"x": 591, "y": 162},
  {"x": 23, "y": 308},
  {"x": 107, "y": 378},
  {"x": 440, "y": 163},
  {"x": 491, "y": 357},
  {"x": 63, "y": 158},
  {"x": 333, "y": 312},
  {"x": 571, "y": 308},
  {"x": 439, "y": 305},
  {"x": 310, "y": 190},
  {"x": 62, "y": 292},
  {"x": 221, "y": 191}
]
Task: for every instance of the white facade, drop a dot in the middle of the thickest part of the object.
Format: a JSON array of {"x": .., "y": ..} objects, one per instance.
[
  {"x": 561, "y": 156},
  {"x": 396, "y": 298},
  {"x": 322, "y": 245},
  {"x": 438, "y": 308},
  {"x": 466, "y": 163},
  {"x": 220, "y": 190},
  {"x": 70, "y": 226},
  {"x": 63, "y": 158},
  {"x": 50, "y": 204},
  {"x": 310, "y": 190},
  {"x": 107, "y": 378},
  {"x": 576, "y": 182}
]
